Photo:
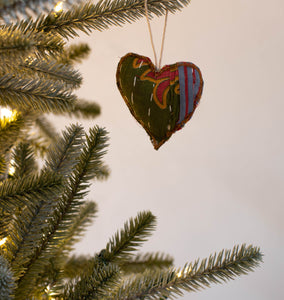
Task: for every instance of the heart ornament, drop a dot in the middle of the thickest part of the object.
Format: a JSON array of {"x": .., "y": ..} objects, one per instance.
[{"x": 161, "y": 101}]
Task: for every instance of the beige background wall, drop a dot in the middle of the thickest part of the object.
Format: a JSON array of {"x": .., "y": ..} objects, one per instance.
[{"x": 219, "y": 181}]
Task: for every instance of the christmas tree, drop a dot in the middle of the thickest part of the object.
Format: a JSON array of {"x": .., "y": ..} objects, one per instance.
[{"x": 43, "y": 209}]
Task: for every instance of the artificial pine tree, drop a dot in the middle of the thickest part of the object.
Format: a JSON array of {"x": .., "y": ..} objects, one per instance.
[{"x": 43, "y": 211}]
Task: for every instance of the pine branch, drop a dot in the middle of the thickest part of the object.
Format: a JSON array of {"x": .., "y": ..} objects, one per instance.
[
  {"x": 23, "y": 161},
  {"x": 34, "y": 94},
  {"x": 147, "y": 261},
  {"x": 63, "y": 154},
  {"x": 93, "y": 285},
  {"x": 7, "y": 283},
  {"x": 53, "y": 271},
  {"x": 39, "y": 145},
  {"x": 10, "y": 131},
  {"x": 52, "y": 70},
  {"x": 90, "y": 164},
  {"x": 76, "y": 266},
  {"x": 29, "y": 221},
  {"x": 15, "y": 43},
  {"x": 101, "y": 16},
  {"x": 85, "y": 109},
  {"x": 74, "y": 54},
  {"x": 103, "y": 173},
  {"x": 18, "y": 41},
  {"x": 2, "y": 165},
  {"x": 18, "y": 224},
  {"x": 78, "y": 227},
  {"x": 125, "y": 241},
  {"x": 63, "y": 210},
  {"x": 19, "y": 206},
  {"x": 29, "y": 227},
  {"x": 15, "y": 9},
  {"x": 216, "y": 269},
  {"x": 43, "y": 69},
  {"x": 46, "y": 128},
  {"x": 49, "y": 280},
  {"x": 24, "y": 191}
]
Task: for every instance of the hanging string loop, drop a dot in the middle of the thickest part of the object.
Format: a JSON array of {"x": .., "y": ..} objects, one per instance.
[{"x": 158, "y": 66}]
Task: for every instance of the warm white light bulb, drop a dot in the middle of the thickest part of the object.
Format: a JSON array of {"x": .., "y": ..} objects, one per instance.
[
  {"x": 187, "y": 269},
  {"x": 179, "y": 274},
  {"x": 11, "y": 168},
  {"x": 50, "y": 293},
  {"x": 5, "y": 113},
  {"x": 58, "y": 7},
  {"x": 8, "y": 114},
  {"x": 3, "y": 241}
]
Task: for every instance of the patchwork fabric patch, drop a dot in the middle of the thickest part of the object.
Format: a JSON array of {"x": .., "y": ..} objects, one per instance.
[{"x": 161, "y": 101}]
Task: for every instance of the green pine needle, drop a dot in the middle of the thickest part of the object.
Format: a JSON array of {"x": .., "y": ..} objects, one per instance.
[
  {"x": 46, "y": 128},
  {"x": 3, "y": 166},
  {"x": 219, "y": 268},
  {"x": 21, "y": 208},
  {"x": 58, "y": 269},
  {"x": 76, "y": 266},
  {"x": 64, "y": 209},
  {"x": 135, "y": 232},
  {"x": 10, "y": 131},
  {"x": 39, "y": 144},
  {"x": 23, "y": 191},
  {"x": 74, "y": 54},
  {"x": 85, "y": 109},
  {"x": 90, "y": 164},
  {"x": 23, "y": 161},
  {"x": 78, "y": 226},
  {"x": 147, "y": 261},
  {"x": 87, "y": 17},
  {"x": 11, "y": 10},
  {"x": 51, "y": 69},
  {"x": 7, "y": 283},
  {"x": 17, "y": 41},
  {"x": 94, "y": 285},
  {"x": 34, "y": 94},
  {"x": 64, "y": 152}
]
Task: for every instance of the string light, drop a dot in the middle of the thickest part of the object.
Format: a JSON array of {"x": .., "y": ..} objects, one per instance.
[
  {"x": 12, "y": 168},
  {"x": 5, "y": 113},
  {"x": 8, "y": 114},
  {"x": 3, "y": 241},
  {"x": 179, "y": 274},
  {"x": 58, "y": 7},
  {"x": 50, "y": 293},
  {"x": 187, "y": 269}
]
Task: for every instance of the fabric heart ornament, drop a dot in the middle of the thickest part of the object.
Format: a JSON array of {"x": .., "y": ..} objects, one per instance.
[{"x": 161, "y": 101}]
